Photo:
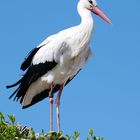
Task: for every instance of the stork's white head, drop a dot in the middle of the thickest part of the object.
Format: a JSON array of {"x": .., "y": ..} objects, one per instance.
[{"x": 92, "y": 6}]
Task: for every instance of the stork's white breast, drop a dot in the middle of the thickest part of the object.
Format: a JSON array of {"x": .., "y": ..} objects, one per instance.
[{"x": 67, "y": 68}]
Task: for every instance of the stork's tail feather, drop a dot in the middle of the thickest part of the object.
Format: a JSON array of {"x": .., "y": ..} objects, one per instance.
[{"x": 15, "y": 84}]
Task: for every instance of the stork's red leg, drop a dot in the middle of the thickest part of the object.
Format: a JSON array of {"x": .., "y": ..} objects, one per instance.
[
  {"x": 51, "y": 100},
  {"x": 58, "y": 107}
]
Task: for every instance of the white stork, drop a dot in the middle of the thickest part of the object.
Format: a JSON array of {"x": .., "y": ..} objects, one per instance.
[{"x": 56, "y": 61}]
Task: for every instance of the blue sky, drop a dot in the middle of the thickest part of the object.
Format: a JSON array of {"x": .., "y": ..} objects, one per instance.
[{"x": 106, "y": 94}]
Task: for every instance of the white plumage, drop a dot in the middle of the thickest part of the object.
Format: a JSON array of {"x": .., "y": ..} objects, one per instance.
[
  {"x": 69, "y": 48},
  {"x": 56, "y": 61}
]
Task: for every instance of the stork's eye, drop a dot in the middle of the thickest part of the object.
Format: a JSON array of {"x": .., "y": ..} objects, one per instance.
[{"x": 90, "y": 1}]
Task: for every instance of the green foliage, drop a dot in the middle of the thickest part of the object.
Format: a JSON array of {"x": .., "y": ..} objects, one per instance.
[
  {"x": 10, "y": 130},
  {"x": 91, "y": 137}
]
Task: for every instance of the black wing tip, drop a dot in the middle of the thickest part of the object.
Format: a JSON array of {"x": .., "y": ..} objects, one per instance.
[
  {"x": 8, "y": 86},
  {"x": 27, "y": 106},
  {"x": 24, "y": 107},
  {"x": 15, "y": 84},
  {"x": 23, "y": 67},
  {"x": 10, "y": 97}
]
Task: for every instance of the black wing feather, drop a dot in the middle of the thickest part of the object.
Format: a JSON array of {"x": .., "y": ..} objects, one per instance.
[
  {"x": 33, "y": 73},
  {"x": 29, "y": 58},
  {"x": 45, "y": 93}
]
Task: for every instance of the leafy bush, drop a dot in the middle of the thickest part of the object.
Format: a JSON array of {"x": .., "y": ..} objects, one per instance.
[{"x": 10, "y": 130}]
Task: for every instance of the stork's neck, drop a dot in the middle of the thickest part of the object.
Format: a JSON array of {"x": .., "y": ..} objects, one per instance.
[
  {"x": 86, "y": 25},
  {"x": 86, "y": 17}
]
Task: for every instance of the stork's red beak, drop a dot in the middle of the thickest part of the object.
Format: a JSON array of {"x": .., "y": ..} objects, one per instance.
[{"x": 98, "y": 12}]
